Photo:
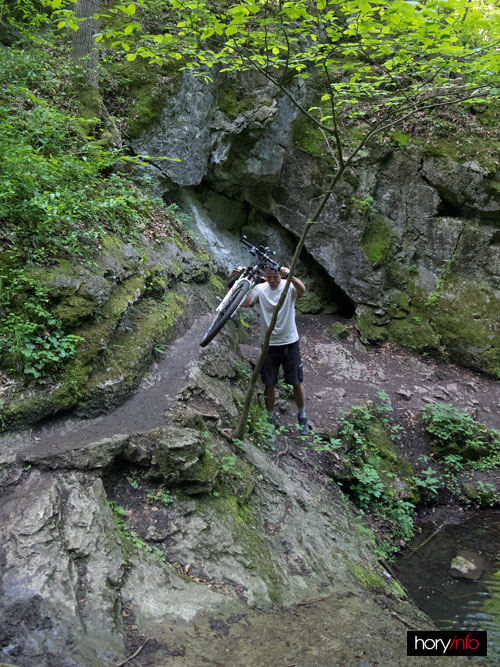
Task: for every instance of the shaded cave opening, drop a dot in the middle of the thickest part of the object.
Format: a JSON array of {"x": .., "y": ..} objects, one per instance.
[{"x": 220, "y": 219}]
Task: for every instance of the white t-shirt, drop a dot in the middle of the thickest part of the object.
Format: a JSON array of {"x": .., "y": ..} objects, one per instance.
[{"x": 285, "y": 331}]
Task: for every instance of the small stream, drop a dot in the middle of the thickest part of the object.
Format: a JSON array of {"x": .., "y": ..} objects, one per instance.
[{"x": 456, "y": 603}]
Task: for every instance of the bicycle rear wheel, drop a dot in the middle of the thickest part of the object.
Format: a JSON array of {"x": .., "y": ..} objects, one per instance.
[{"x": 228, "y": 311}]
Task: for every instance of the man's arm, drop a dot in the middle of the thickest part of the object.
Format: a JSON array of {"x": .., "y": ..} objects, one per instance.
[
  {"x": 248, "y": 303},
  {"x": 296, "y": 282}
]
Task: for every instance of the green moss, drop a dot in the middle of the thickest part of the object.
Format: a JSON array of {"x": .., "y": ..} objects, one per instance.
[
  {"x": 371, "y": 328},
  {"x": 397, "y": 274},
  {"x": 309, "y": 303},
  {"x": 88, "y": 102},
  {"x": 414, "y": 332},
  {"x": 217, "y": 285},
  {"x": 150, "y": 86},
  {"x": 398, "y": 305},
  {"x": 377, "y": 239},
  {"x": 74, "y": 310},
  {"x": 248, "y": 531},
  {"x": 129, "y": 351},
  {"x": 467, "y": 317},
  {"x": 369, "y": 580},
  {"x": 400, "y": 138},
  {"x": 232, "y": 103},
  {"x": 338, "y": 331},
  {"x": 308, "y": 137}
]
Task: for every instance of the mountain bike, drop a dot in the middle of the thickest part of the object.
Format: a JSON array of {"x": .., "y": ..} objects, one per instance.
[{"x": 248, "y": 278}]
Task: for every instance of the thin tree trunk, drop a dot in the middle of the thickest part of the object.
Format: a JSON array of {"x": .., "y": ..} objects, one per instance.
[
  {"x": 240, "y": 431},
  {"x": 85, "y": 51}
]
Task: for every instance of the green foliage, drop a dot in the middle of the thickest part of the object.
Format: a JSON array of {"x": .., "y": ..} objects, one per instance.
[
  {"x": 367, "y": 434},
  {"x": 457, "y": 433},
  {"x": 31, "y": 339},
  {"x": 428, "y": 482},
  {"x": 60, "y": 195},
  {"x": 260, "y": 429},
  {"x": 159, "y": 495},
  {"x": 129, "y": 538},
  {"x": 285, "y": 390},
  {"x": 228, "y": 464}
]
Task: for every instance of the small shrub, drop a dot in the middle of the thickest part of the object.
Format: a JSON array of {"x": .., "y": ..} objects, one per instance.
[{"x": 458, "y": 434}]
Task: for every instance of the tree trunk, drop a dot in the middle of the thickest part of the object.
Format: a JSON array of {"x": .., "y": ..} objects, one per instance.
[{"x": 85, "y": 52}]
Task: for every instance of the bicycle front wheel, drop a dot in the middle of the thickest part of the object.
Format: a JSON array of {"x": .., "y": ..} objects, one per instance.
[{"x": 227, "y": 312}]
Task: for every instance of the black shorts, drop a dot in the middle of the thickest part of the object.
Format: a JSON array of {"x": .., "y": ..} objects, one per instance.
[{"x": 287, "y": 356}]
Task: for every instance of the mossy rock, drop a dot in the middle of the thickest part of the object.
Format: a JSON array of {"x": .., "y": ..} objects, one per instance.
[
  {"x": 129, "y": 351},
  {"x": 338, "y": 331},
  {"x": 150, "y": 86},
  {"x": 414, "y": 332},
  {"x": 308, "y": 138},
  {"x": 248, "y": 532},
  {"x": 310, "y": 303},
  {"x": 378, "y": 238},
  {"x": 371, "y": 328},
  {"x": 467, "y": 317},
  {"x": 371, "y": 581}
]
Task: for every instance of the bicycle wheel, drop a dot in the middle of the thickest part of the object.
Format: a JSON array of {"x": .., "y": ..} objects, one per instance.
[{"x": 228, "y": 311}]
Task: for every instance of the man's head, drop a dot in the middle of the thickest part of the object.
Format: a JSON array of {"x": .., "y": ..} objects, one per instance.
[{"x": 273, "y": 278}]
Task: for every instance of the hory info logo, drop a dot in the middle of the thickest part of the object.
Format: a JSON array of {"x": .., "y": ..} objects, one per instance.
[{"x": 446, "y": 643}]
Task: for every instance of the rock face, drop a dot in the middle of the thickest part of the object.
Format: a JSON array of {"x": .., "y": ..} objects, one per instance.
[
  {"x": 173, "y": 530},
  {"x": 410, "y": 235},
  {"x": 62, "y": 566}
]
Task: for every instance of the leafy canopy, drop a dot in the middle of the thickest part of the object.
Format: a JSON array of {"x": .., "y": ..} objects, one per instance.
[{"x": 387, "y": 52}]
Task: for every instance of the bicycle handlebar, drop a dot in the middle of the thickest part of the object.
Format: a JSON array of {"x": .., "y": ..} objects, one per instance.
[{"x": 255, "y": 250}]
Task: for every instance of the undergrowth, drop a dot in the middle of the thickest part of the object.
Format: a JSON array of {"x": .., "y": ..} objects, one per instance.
[
  {"x": 376, "y": 484},
  {"x": 64, "y": 189}
]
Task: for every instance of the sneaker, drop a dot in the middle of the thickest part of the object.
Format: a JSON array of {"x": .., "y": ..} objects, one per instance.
[{"x": 304, "y": 426}]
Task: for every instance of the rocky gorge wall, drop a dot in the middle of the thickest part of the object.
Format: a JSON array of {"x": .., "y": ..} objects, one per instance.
[{"x": 410, "y": 238}]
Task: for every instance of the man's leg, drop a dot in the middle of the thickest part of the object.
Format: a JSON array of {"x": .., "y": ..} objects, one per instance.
[
  {"x": 294, "y": 376},
  {"x": 299, "y": 395},
  {"x": 269, "y": 397},
  {"x": 269, "y": 376}
]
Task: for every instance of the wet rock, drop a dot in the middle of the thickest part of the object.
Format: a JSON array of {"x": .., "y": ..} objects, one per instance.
[{"x": 467, "y": 565}]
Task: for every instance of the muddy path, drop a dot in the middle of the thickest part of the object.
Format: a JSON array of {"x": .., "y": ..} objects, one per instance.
[
  {"x": 337, "y": 375},
  {"x": 341, "y": 373}
]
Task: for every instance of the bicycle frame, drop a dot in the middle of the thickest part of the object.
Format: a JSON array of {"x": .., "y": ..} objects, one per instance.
[{"x": 243, "y": 278}]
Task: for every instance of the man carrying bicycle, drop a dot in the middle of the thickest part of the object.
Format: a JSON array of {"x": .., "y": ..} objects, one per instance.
[{"x": 284, "y": 347}]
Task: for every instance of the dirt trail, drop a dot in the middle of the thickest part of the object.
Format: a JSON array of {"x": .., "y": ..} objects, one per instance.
[
  {"x": 144, "y": 410},
  {"x": 337, "y": 374}
]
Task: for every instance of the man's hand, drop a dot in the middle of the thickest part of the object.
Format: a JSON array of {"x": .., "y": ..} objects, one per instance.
[
  {"x": 284, "y": 270},
  {"x": 296, "y": 282}
]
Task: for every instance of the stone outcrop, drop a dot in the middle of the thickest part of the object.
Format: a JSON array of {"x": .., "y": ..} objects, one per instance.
[
  {"x": 130, "y": 303},
  {"x": 165, "y": 531},
  {"x": 410, "y": 236}
]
